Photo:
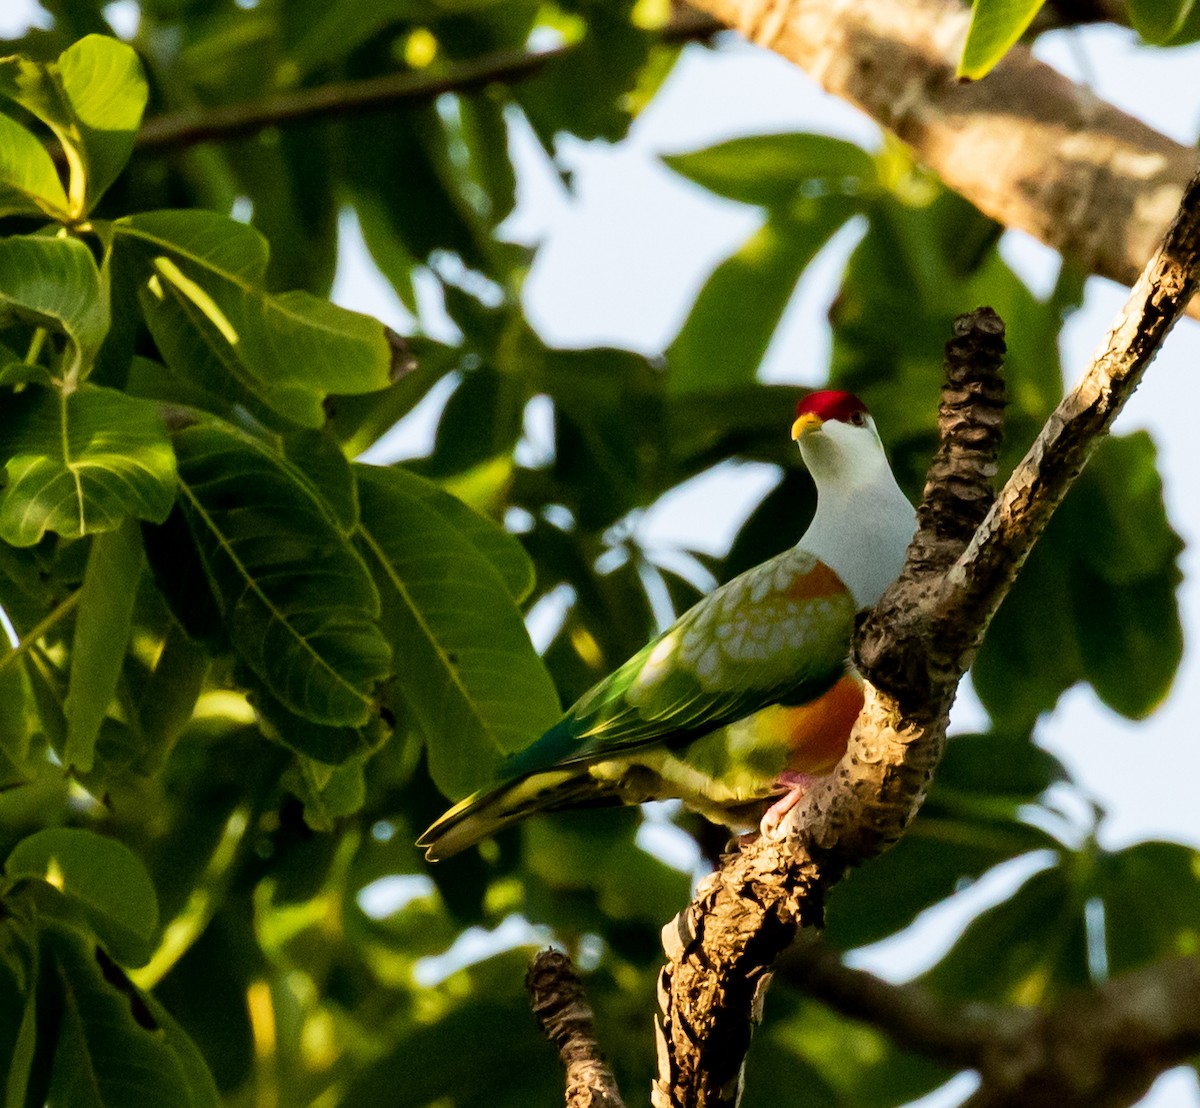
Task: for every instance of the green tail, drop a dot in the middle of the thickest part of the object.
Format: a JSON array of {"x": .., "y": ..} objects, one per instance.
[{"x": 484, "y": 813}]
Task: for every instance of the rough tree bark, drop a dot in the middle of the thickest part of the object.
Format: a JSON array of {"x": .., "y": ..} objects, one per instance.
[{"x": 1025, "y": 145}]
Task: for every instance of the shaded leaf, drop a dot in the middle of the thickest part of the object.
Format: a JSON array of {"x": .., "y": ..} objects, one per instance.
[
  {"x": 112, "y": 1051},
  {"x": 102, "y": 629},
  {"x": 1151, "y": 895},
  {"x": 469, "y": 674},
  {"x": 82, "y": 463},
  {"x": 100, "y": 874},
  {"x": 1160, "y": 21},
  {"x": 773, "y": 171},
  {"x": 1026, "y": 950},
  {"x": 296, "y": 599},
  {"x": 16, "y": 725},
  {"x": 54, "y": 282}
]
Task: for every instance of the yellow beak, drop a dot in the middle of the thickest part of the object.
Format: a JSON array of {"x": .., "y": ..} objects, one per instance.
[{"x": 810, "y": 421}]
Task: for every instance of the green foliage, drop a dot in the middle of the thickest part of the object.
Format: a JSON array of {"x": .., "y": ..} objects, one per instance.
[
  {"x": 995, "y": 26},
  {"x": 249, "y": 671}
]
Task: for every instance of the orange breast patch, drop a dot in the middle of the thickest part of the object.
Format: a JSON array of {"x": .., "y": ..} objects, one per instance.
[
  {"x": 818, "y": 581},
  {"x": 817, "y": 732}
]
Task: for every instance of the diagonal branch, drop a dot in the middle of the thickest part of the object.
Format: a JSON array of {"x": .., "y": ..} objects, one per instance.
[{"x": 912, "y": 649}]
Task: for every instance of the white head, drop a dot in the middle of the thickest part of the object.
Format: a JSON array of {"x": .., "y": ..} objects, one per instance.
[
  {"x": 838, "y": 440},
  {"x": 863, "y": 521}
]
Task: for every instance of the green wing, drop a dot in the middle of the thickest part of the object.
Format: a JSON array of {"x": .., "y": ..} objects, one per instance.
[{"x": 779, "y": 633}]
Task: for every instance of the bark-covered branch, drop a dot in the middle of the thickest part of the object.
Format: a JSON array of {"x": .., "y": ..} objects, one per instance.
[
  {"x": 1025, "y": 145},
  {"x": 338, "y": 99},
  {"x": 1099, "y": 1047},
  {"x": 912, "y": 650},
  {"x": 565, "y": 1016}
]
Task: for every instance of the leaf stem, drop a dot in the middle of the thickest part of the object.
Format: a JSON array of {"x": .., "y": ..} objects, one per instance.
[
  {"x": 35, "y": 345},
  {"x": 48, "y": 624}
]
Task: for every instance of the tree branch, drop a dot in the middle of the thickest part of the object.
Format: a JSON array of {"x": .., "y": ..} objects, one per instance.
[
  {"x": 912, "y": 649},
  {"x": 1100, "y": 1047},
  {"x": 565, "y": 1016},
  {"x": 179, "y": 130},
  {"x": 1025, "y": 145}
]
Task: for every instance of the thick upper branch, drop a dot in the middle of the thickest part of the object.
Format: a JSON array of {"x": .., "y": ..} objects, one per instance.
[{"x": 1025, "y": 145}]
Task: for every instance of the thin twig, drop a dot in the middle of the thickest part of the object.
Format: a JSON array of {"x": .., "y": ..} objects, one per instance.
[
  {"x": 43, "y": 628},
  {"x": 564, "y": 1014}
]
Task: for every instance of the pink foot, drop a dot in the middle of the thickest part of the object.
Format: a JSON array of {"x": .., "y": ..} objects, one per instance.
[{"x": 797, "y": 785}]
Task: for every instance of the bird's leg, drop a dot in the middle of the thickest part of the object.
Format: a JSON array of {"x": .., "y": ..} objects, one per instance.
[{"x": 797, "y": 784}]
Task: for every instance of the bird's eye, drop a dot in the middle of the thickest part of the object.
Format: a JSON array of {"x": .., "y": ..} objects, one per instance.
[{"x": 859, "y": 419}]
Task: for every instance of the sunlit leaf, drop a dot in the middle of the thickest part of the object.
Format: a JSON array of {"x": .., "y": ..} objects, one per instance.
[
  {"x": 81, "y": 463},
  {"x": 995, "y": 26},
  {"x": 29, "y": 183},
  {"x": 92, "y": 98},
  {"x": 205, "y": 275},
  {"x": 297, "y": 600},
  {"x": 753, "y": 287}
]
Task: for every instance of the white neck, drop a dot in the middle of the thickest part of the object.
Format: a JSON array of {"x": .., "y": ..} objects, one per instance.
[{"x": 862, "y": 526}]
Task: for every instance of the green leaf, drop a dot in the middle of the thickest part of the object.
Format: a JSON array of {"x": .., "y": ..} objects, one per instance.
[
  {"x": 82, "y": 463},
  {"x": 1095, "y": 601},
  {"x": 503, "y": 550},
  {"x": 19, "y": 972},
  {"x": 298, "y": 602},
  {"x": 1165, "y": 875},
  {"x": 29, "y": 183},
  {"x": 995, "y": 26},
  {"x": 16, "y": 726},
  {"x": 1159, "y": 21},
  {"x": 205, "y": 277},
  {"x": 103, "y": 876},
  {"x": 470, "y": 676},
  {"x": 102, "y": 630},
  {"x": 773, "y": 171},
  {"x": 54, "y": 282},
  {"x": 327, "y": 794},
  {"x": 1130, "y": 639},
  {"x": 753, "y": 287},
  {"x": 92, "y": 98},
  {"x": 1025, "y": 951},
  {"x": 116, "y": 1046}
]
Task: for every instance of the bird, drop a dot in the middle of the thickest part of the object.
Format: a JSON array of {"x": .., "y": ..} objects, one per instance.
[{"x": 750, "y": 695}]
